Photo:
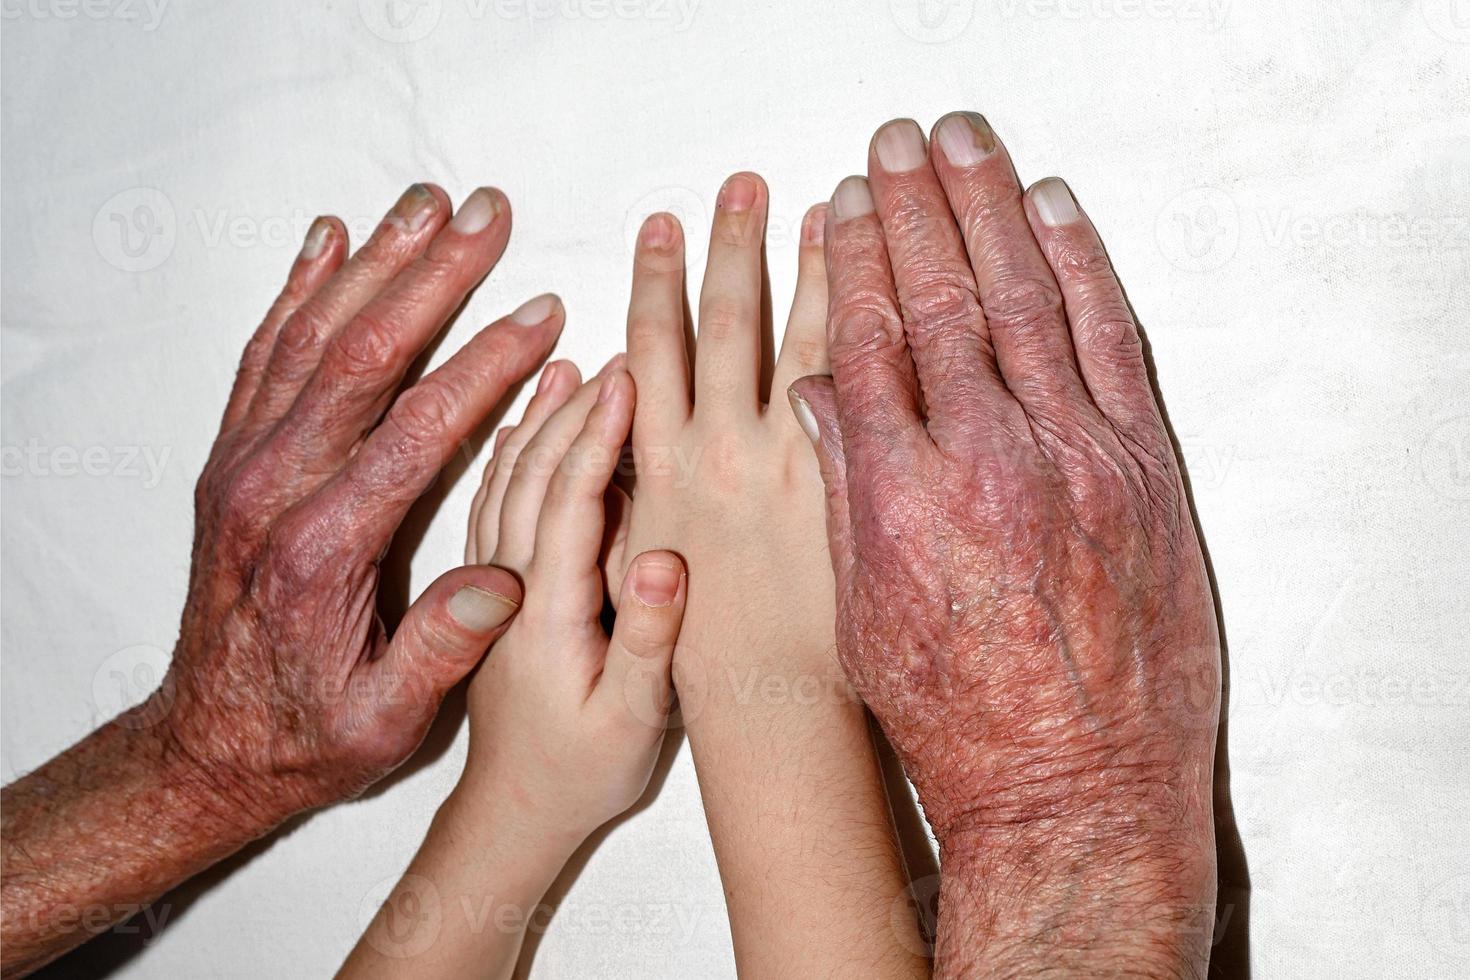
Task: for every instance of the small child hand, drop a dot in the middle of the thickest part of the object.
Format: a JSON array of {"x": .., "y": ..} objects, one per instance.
[{"x": 565, "y": 722}]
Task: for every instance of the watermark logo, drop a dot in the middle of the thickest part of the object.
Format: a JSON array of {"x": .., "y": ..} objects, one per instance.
[
  {"x": 401, "y": 21},
  {"x": 1210, "y": 14},
  {"x": 1444, "y": 458},
  {"x": 35, "y": 459},
  {"x": 135, "y": 230},
  {"x": 914, "y": 916},
  {"x": 683, "y": 204},
  {"x": 1445, "y": 915},
  {"x": 1199, "y": 230},
  {"x": 1450, "y": 19},
  {"x": 401, "y": 918},
  {"x": 143, "y": 14},
  {"x": 133, "y": 677},
  {"x": 932, "y": 21}
]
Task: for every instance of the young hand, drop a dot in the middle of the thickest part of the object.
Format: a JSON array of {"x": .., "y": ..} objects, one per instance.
[
  {"x": 562, "y": 718},
  {"x": 565, "y": 722}
]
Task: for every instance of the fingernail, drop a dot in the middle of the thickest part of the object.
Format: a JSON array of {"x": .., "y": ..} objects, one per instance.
[
  {"x": 538, "y": 310},
  {"x": 658, "y": 232},
  {"x": 814, "y": 228},
  {"x": 900, "y": 146},
  {"x": 480, "y": 611},
  {"x": 737, "y": 195},
  {"x": 805, "y": 417},
  {"x": 656, "y": 581},
  {"x": 1054, "y": 202},
  {"x": 316, "y": 238},
  {"x": 547, "y": 376},
  {"x": 966, "y": 138},
  {"x": 853, "y": 199},
  {"x": 414, "y": 208},
  {"x": 609, "y": 386},
  {"x": 478, "y": 210}
]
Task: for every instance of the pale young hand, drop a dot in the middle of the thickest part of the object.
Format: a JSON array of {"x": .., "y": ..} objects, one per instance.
[{"x": 566, "y": 722}]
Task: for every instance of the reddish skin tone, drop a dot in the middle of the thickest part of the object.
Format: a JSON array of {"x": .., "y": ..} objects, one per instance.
[
  {"x": 1022, "y": 600},
  {"x": 285, "y": 693}
]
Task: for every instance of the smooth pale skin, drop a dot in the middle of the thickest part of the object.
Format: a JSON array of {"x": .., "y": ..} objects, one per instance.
[
  {"x": 1021, "y": 596},
  {"x": 791, "y": 785},
  {"x": 565, "y": 722},
  {"x": 284, "y": 692}
]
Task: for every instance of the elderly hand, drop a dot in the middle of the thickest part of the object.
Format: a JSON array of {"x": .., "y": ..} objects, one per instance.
[
  {"x": 1022, "y": 599},
  {"x": 284, "y": 692}
]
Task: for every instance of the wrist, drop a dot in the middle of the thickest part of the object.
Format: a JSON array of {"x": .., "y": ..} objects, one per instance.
[
  {"x": 504, "y": 827},
  {"x": 1078, "y": 894}
]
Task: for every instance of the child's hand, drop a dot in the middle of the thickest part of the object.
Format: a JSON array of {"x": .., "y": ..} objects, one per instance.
[
  {"x": 565, "y": 723},
  {"x": 786, "y": 767},
  {"x": 724, "y": 479}
]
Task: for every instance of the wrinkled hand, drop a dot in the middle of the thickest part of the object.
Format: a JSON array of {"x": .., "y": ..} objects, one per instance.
[
  {"x": 1022, "y": 599},
  {"x": 284, "y": 692}
]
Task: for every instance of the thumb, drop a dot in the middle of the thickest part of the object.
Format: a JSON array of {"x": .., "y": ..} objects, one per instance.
[
  {"x": 814, "y": 401},
  {"x": 447, "y": 631},
  {"x": 636, "y": 679}
]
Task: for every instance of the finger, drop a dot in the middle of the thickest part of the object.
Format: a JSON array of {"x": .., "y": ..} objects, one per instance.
[
  {"x": 804, "y": 345},
  {"x": 441, "y": 638},
  {"x": 428, "y": 423},
  {"x": 814, "y": 404},
  {"x": 657, "y": 354},
  {"x": 471, "y": 543},
  {"x": 619, "y": 508},
  {"x": 320, "y": 256},
  {"x": 1017, "y": 289},
  {"x": 365, "y": 362},
  {"x": 1104, "y": 333},
  {"x": 727, "y": 351},
  {"x": 936, "y": 290},
  {"x": 569, "y": 534},
  {"x": 521, "y": 510},
  {"x": 877, "y": 392},
  {"x": 399, "y": 239},
  {"x": 559, "y": 381},
  {"x": 635, "y": 682}
]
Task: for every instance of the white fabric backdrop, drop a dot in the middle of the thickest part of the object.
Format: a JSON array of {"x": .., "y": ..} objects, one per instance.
[{"x": 1283, "y": 189}]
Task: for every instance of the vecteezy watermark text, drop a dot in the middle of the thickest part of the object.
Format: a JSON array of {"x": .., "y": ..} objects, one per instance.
[{"x": 36, "y": 459}]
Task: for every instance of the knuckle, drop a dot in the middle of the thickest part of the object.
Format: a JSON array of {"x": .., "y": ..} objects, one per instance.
[
  {"x": 367, "y": 346},
  {"x": 806, "y": 352},
  {"x": 1022, "y": 303},
  {"x": 443, "y": 265},
  {"x": 306, "y": 329},
  {"x": 940, "y": 300},
  {"x": 727, "y": 458},
  {"x": 723, "y": 322},
  {"x": 1085, "y": 260},
  {"x": 424, "y": 412},
  {"x": 244, "y": 494},
  {"x": 862, "y": 328},
  {"x": 1107, "y": 331},
  {"x": 649, "y": 329},
  {"x": 294, "y": 556}
]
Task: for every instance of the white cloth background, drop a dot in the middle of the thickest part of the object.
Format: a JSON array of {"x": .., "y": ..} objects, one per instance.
[{"x": 1282, "y": 186}]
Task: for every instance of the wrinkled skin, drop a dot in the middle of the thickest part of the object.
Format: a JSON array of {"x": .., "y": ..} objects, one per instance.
[
  {"x": 287, "y": 689},
  {"x": 1022, "y": 600},
  {"x": 285, "y": 692}
]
